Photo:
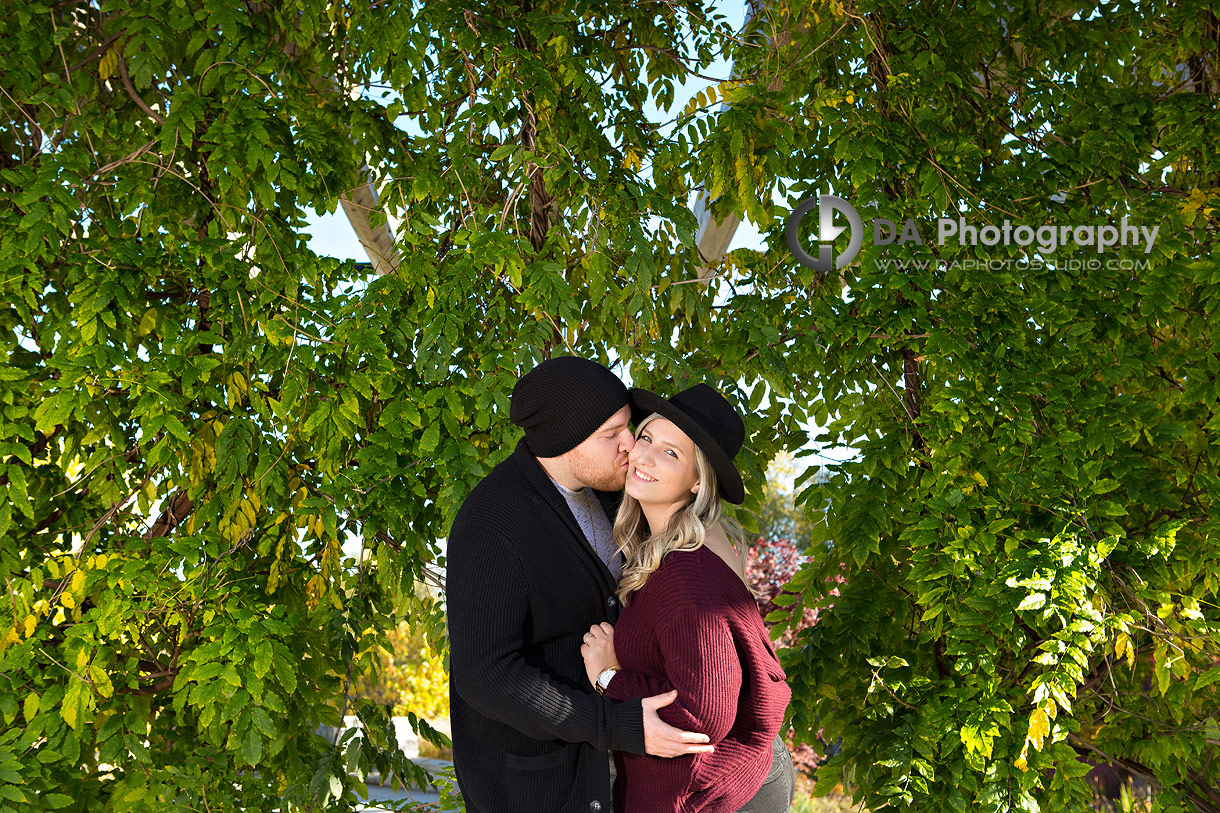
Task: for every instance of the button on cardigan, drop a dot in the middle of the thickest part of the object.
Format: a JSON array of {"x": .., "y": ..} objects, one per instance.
[{"x": 694, "y": 627}]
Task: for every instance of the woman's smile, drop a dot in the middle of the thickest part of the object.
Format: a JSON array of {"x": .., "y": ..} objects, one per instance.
[{"x": 641, "y": 476}]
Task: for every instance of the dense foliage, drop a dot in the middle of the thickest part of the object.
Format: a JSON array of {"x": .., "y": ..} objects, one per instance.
[
  {"x": 1028, "y": 525},
  {"x": 196, "y": 411}
]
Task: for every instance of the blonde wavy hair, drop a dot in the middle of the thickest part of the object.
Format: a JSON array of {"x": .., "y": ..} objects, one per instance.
[{"x": 644, "y": 549}]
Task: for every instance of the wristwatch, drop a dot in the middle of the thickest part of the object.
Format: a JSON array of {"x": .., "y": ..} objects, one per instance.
[{"x": 603, "y": 680}]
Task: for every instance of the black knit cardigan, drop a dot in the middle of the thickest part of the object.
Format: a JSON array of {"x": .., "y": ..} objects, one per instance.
[{"x": 523, "y": 585}]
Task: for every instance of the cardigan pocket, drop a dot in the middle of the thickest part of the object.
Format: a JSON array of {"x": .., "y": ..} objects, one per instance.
[{"x": 540, "y": 762}]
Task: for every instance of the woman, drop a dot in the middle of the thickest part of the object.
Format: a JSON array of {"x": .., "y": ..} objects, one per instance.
[{"x": 689, "y": 620}]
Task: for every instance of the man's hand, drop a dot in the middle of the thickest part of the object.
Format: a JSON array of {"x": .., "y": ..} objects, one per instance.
[
  {"x": 663, "y": 740},
  {"x": 598, "y": 650}
]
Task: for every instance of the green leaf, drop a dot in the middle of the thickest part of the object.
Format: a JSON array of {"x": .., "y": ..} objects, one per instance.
[
  {"x": 1034, "y": 601},
  {"x": 252, "y": 747},
  {"x": 285, "y": 672},
  {"x": 53, "y": 411},
  {"x": 262, "y": 722},
  {"x": 177, "y": 429},
  {"x": 1207, "y": 678},
  {"x": 431, "y": 438},
  {"x": 262, "y": 658},
  {"x": 77, "y": 700},
  {"x": 101, "y": 678},
  {"x": 6, "y": 517},
  {"x": 17, "y": 490},
  {"x": 13, "y": 794}
]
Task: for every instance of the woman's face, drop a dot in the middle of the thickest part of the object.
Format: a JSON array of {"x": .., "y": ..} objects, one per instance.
[{"x": 661, "y": 466}]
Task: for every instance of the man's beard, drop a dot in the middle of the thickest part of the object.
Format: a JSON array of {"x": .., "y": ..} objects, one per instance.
[{"x": 599, "y": 475}]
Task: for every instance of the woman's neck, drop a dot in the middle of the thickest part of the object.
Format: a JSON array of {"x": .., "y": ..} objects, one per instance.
[{"x": 658, "y": 516}]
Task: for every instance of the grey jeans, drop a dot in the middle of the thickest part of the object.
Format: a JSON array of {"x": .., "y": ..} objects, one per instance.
[{"x": 775, "y": 796}]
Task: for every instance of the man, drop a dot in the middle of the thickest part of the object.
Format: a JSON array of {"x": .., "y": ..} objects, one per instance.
[{"x": 531, "y": 566}]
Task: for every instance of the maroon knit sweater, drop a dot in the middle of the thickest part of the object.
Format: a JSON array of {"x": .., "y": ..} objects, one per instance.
[{"x": 694, "y": 627}]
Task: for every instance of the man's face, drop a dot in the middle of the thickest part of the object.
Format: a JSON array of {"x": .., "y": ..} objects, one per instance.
[{"x": 600, "y": 461}]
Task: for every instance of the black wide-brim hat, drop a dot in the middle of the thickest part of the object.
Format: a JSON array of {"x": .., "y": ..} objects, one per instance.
[{"x": 710, "y": 421}]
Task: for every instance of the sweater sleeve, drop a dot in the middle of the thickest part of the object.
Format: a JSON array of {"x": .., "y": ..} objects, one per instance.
[
  {"x": 487, "y": 598},
  {"x": 628, "y": 685},
  {"x": 702, "y": 663}
]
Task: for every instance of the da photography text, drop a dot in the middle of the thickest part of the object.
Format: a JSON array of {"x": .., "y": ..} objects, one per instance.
[{"x": 1046, "y": 238}]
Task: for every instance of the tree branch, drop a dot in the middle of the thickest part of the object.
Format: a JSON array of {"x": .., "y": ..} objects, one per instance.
[{"x": 131, "y": 91}]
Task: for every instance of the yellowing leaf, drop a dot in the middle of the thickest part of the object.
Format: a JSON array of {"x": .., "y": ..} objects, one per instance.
[
  {"x": 107, "y": 64},
  {"x": 1194, "y": 200},
  {"x": 1039, "y": 727},
  {"x": 1123, "y": 648},
  {"x": 31, "y": 621},
  {"x": 77, "y": 699},
  {"x": 101, "y": 680},
  {"x": 1020, "y": 761},
  {"x": 31, "y": 706}
]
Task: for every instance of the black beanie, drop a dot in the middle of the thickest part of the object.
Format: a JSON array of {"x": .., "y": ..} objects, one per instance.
[{"x": 562, "y": 401}]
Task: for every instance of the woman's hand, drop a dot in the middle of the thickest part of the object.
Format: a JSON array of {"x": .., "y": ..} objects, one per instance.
[{"x": 598, "y": 650}]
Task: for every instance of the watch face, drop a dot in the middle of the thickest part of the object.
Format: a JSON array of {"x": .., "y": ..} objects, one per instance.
[{"x": 603, "y": 679}]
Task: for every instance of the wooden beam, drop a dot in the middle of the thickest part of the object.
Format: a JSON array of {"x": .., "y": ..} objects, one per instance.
[
  {"x": 378, "y": 241},
  {"x": 713, "y": 238}
]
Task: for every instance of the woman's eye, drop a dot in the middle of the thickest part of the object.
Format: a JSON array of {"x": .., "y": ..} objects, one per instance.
[
  {"x": 646, "y": 437},
  {"x": 671, "y": 453}
]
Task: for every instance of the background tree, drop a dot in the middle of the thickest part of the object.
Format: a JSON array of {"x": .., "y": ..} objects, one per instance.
[
  {"x": 779, "y": 516},
  {"x": 412, "y": 679},
  {"x": 198, "y": 411},
  {"x": 412, "y": 674},
  {"x": 1028, "y": 523}
]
